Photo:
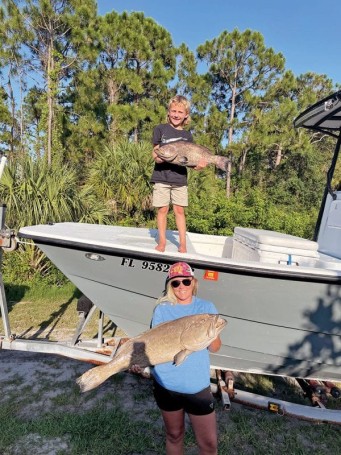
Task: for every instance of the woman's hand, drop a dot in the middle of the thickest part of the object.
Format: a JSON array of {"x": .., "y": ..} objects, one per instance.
[{"x": 136, "y": 369}]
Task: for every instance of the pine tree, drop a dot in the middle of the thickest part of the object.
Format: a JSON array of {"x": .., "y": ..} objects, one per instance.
[
  {"x": 239, "y": 66},
  {"x": 137, "y": 63},
  {"x": 53, "y": 34},
  {"x": 12, "y": 65}
]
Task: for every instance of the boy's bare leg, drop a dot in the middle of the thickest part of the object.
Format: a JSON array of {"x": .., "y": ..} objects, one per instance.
[
  {"x": 162, "y": 213},
  {"x": 180, "y": 220}
]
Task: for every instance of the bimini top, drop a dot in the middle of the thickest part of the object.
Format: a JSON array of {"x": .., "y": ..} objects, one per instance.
[{"x": 324, "y": 116}]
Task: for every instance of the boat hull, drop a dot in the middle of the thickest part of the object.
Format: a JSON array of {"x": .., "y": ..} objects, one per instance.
[{"x": 277, "y": 323}]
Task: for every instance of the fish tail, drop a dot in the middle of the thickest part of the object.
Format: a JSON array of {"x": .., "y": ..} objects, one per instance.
[
  {"x": 94, "y": 377},
  {"x": 221, "y": 162}
]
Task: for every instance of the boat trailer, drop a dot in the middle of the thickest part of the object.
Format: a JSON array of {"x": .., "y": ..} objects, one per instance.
[
  {"x": 99, "y": 351},
  {"x": 314, "y": 390}
]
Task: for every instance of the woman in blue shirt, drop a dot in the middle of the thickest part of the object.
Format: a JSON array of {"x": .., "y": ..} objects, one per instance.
[{"x": 185, "y": 388}]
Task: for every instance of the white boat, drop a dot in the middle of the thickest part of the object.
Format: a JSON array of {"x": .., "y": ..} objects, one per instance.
[{"x": 280, "y": 294}]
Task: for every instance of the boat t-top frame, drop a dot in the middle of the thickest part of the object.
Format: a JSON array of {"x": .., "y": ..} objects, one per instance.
[{"x": 324, "y": 117}]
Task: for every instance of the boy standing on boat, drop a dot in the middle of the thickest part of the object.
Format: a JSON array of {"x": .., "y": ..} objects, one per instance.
[{"x": 170, "y": 180}]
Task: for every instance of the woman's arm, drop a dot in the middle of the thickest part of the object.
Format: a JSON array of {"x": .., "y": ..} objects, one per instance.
[{"x": 215, "y": 345}]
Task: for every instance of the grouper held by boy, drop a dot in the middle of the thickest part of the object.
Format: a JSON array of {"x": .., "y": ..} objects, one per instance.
[{"x": 187, "y": 154}]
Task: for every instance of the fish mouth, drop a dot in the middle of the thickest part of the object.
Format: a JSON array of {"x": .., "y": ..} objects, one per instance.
[{"x": 220, "y": 323}]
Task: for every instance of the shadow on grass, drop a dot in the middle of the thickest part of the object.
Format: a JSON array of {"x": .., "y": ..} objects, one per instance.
[
  {"x": 54, "y": 318},
  {"x": 14, "y": 294}
]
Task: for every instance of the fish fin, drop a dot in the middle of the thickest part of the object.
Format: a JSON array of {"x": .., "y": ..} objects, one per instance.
[
  {"x": 166, "y": 157},
  {"x": 181, "y": 356},
  {"x": 183, "y": 160}
]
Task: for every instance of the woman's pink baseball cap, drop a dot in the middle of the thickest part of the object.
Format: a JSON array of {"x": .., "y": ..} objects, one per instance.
[{"x": 179, "y": 269}]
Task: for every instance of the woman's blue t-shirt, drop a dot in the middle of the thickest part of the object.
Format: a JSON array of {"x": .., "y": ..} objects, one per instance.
[{"x": 193, "y": 374}]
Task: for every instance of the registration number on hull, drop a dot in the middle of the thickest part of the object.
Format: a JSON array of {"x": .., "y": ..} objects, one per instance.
[{"x": 145, "y": 265}]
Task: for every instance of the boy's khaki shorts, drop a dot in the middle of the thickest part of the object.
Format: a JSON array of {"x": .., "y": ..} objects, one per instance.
[{"x": 164, "y": 194}]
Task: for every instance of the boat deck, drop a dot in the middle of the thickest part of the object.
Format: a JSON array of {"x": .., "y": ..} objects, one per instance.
[{"x": 250, "y": 247}]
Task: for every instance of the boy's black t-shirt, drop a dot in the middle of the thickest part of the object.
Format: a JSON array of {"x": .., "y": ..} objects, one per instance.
[{"x": 168, "y": 172}]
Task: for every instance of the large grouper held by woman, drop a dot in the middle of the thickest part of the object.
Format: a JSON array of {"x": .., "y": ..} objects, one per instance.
[
  {"x": 170, "y": 341},
  {"x": 189, "y": 154}
]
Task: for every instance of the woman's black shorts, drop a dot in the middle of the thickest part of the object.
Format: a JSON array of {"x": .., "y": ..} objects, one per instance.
[{"x": 201, "y": 403}]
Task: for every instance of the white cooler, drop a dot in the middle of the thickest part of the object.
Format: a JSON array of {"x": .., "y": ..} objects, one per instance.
[{"x": 273, "y": 247}]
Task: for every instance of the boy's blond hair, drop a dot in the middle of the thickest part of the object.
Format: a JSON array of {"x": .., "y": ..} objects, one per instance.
[{"x": 179, "y": 99}]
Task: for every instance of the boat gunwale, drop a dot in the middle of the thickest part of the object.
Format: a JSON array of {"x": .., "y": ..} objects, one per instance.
[{"x": 243, "y": 268}]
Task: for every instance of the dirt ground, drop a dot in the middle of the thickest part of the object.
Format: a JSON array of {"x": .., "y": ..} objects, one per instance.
[
  {"x": 40, "y": 380},
  {"x": 38, "y": 384}
]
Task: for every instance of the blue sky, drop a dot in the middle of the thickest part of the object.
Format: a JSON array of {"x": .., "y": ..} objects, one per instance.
[{"x": 306, "y": 32}]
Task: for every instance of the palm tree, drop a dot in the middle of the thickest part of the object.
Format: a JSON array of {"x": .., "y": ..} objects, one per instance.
[
  {"x": 36, "y": 193},
  {"x": 120, "y": 175}
]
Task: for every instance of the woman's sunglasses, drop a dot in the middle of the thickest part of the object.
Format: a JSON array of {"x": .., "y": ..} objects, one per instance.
[{"x": 176, "y": 283}]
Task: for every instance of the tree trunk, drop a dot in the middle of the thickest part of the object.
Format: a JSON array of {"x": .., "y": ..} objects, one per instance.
[
  {"x": 50, "y": 67},
  {"x": 11, "y": 94},
  {"x": 22, "y": 149},
  {"x": 242, "y": 161},
  {"x": 278, "y": 156},
  {"x": 49, "y": 128},
  {"x": 228, "y": 176},
  {"x": 113, "y": 94},
  {"x": 136, "y": 129},
  {"x": 230, "y": 139}
]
